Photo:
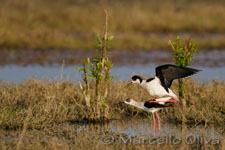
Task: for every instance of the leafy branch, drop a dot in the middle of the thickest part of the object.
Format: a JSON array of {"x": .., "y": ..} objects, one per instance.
[
  {"x": 98, "y": 70},
  {"x": 183, "y": 55}
]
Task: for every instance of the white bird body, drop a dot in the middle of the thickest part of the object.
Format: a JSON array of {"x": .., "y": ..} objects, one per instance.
[
  {"x": 141, "y": 106},
  {"x": 150, "y": 106},
  {"x": 159, "y": 86},
  {"x": 154, "y": 88},
  {"x": 152, "y": 109}
]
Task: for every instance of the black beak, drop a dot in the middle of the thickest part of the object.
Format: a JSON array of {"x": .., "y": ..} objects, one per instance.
[
  {"x": 128, "y": 85},
  {"x": 127, "y": 100}
]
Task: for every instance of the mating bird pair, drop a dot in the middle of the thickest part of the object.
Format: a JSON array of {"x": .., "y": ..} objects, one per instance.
[{"x": 159, "y": 86}]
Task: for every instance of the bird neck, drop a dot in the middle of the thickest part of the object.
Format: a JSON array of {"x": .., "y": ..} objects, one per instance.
[
  {"x": 143, "y": 84},
  {"x": 157, "y": 79},
  {"x": 138, "y": 104}
]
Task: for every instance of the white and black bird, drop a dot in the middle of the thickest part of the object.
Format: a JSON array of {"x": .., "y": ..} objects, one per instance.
[
  {"x": 159, "y": 86},
  {"x": 150, "y": 106}
]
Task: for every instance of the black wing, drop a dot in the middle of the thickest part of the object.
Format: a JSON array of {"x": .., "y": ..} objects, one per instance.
[
  {"x": 156, "y": 105},
  {"x": 167, "y": 73}
]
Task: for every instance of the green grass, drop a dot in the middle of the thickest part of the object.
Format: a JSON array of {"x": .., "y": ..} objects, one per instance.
[
  {"x": 52, "y": 103},
  {"x": 66, "y": 24}
]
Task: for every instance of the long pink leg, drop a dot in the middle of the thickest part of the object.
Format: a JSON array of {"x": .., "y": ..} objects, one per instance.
[
  {"x": 158, "y": 121},
  {"x": 174, "y": 100},
  {"x": 154, "y": 122},
  {"x": 164, "y": 101},
  {"x": 152, "y": 99}
]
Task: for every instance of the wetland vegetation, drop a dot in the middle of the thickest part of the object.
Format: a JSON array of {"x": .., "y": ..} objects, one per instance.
[{"x": 48, "y": 114}]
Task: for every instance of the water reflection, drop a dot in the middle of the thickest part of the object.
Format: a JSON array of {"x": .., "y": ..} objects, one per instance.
[{"x": 145, "y": 127}]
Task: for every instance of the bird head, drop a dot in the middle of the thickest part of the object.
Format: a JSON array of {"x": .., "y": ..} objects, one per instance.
[
  {"x": 134, "y": 103},
  {"x": 134, "y": 79},
  {"x": 129, "y": 101}
]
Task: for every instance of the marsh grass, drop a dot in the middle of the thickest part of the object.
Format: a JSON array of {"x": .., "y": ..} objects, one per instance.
[
  {"x": 38, "y": 114},
  {"x": 44, "y": 24},
  {"x": 54, "y": 103}
]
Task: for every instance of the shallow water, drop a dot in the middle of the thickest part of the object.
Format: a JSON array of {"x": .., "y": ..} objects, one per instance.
[
  {"x": 122, "y": 132},
  {"x": 17, "y": 74},
  {"x": 126, "y": 64},
  {"x": 136, "y": 127},
  {"x": 144, "y": 127}
]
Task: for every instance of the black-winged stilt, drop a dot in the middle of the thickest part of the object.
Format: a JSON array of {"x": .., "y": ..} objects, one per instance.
[
  {"x": 159, "y": 86},
  {"x": 151, "y": 106}
]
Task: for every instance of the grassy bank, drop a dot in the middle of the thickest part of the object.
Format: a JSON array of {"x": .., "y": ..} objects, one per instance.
[
  {"x": 47, "y": 103},
  {"x": 31, "y": 24}
]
